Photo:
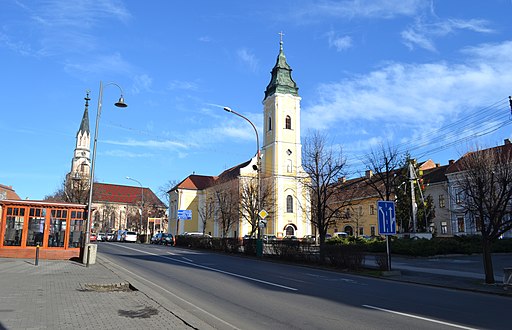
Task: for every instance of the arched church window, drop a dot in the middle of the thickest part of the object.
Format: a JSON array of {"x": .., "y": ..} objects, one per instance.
[
  {"x": 288, "y": 124},
  {"x": 289, "y": 166},
  {"x": 269, "y": 123},
  {"x": 289, "y": 231},
  {"x": 289, "y": 204}
]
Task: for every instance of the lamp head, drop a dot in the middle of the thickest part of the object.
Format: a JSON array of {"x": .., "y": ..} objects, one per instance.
[
  {"x": 228, "y": 109},
  {"x": 120, "y": 103}
]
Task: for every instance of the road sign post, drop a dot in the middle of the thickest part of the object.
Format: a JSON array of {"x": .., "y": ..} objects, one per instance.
[{"x": 387, "y": 224}]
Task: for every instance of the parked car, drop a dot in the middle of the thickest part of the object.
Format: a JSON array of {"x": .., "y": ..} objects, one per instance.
[
  {"x": 101, "y": 237},
  {"x": 109, "y": 237},
  {"x": 290, "y": 238},
  {"x": 93, "y": 237},
  {"x": 309, "y": 239},
  {"x": 166, "y": 239},
  {"x": 155, "y": 238},
  {"x": 197, "y": 233},
  {"x": 340, "y": 234},
  {"x": 269, "y": 238},
  {"x": 129, "y": 236}
]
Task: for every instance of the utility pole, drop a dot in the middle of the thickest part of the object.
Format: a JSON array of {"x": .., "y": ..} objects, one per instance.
[{"x": 414, "y": 207}]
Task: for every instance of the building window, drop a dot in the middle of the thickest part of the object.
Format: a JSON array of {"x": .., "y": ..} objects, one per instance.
[
  {"x": 460, "y": 224},
  {"x": 288, "y": 124},
  {"x": 14, "y": 226},
  {"x": 372, "y": 209},
  {"x": 36, "y": 218},
  {"x": 441, "y": 201},
  {"x": 289, "y": 231},
  {"x": 444, "y": 227},
  {"x": 360, "y": 210},
  {"x": 76, "y": 229},
  {"x": 372, "y": 231},
  {"x": 57, "y": 228},
  {"x": 289, "y": 166},
  {"x": 361, "y": 230},
  {"x": 289, "y": 204},
  {"x": 458, "y": 197},
  {"x": 269, "y": 123}
]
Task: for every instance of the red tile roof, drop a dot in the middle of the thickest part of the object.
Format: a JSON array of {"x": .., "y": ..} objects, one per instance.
[
  {"x": 9, "y": 192},
  {"x": 114, "y": 193}
]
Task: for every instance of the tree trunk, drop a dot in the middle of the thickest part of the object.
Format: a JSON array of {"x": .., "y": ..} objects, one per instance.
[{"x": 487, "y": 259}]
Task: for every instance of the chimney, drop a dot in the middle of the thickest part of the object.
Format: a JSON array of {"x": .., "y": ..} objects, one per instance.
[
  {"x": 507, "y": 141},
  {"x": 368, "y": 174},
  {"x": 451, "y": 161}
]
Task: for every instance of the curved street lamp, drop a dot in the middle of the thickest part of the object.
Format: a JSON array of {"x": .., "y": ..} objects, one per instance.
[
  {"x": 259, "y": 249},
  {"x": 142, "y": 200},
  {"x": 120, "y": 103}
]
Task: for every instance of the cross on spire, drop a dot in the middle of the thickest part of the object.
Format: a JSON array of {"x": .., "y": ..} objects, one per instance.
[{"x": 281, "y": 34}]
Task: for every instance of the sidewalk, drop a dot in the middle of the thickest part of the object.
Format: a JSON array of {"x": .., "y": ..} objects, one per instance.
[
  {"x": 453, "y": 279},
  {"x": 68, "y": 295}
]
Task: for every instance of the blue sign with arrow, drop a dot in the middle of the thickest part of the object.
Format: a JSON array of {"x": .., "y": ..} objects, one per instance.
[
  {"x": 387, "y": 217},
  {"x": 184, "y": 214}
]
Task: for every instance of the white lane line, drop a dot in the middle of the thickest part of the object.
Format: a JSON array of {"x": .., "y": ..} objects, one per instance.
[
  {"x": 175, "y": 296},
  {"x": 189, "y": 260},
  {"x": 214, "y": 269},
  {"x": 420, "y": 317}
]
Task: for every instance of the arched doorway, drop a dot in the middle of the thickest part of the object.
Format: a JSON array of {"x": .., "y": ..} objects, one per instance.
[
  {"x": 349, "y": 230},
  {"x": 290, "y": 229}
]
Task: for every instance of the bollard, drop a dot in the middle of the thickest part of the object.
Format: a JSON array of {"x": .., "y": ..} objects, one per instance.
[
  {"x": 88, "y": 254},
  {"x": 37, "y": 255}
]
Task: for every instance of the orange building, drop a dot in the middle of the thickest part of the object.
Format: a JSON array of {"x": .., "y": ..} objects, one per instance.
[{"x": 56, "y": 228}]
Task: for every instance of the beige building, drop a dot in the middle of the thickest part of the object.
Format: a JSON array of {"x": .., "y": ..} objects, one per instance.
[{"x": 282, "y": 194}]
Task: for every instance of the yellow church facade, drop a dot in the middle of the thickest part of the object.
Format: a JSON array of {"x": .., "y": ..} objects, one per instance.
[{"x": 223, "y": 205}]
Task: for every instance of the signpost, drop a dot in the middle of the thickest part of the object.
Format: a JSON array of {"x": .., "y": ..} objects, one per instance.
[{"x": 387, "y": 224}]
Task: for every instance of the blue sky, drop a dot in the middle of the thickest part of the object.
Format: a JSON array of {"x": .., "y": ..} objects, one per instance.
[{"x": 429, "y": 76}]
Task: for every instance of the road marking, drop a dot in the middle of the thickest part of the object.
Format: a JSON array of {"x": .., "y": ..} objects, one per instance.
[
  {"x": 189, "y": 260},
  {"x": 175, "y": 296},
  {"x": 420, "y": 317},
  {"x": 215, "y": 269}
]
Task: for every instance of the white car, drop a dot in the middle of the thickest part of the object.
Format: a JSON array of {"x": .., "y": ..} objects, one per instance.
[{"x": 130, "y": 236}]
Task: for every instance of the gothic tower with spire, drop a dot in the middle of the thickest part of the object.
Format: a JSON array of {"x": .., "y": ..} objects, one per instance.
[
  {"x": 282, "y": 152},
  {"x": 81, "y": 162}
]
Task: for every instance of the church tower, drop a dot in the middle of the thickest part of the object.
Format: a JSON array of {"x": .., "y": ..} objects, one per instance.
[
  {"x": 282, "y": 152},
  {"x": 81, "y": 162}
]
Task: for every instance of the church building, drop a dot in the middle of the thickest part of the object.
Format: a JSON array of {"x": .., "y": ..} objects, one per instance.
[{"x": 197, "y": 203}]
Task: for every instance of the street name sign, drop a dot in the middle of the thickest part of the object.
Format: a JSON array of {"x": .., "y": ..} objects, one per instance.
[{"x": 184, "y": 214}]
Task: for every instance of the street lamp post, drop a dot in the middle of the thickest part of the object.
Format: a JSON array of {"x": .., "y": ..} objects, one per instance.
[
  {"x": 259, "y": 247},
  {"x": 142, "y": 201},
  {"x": 120, "y": 103}
]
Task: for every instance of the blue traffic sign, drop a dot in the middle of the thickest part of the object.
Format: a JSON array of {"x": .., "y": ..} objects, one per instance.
[
  {"x": 387, "y": 217},
  {"x": 184, "y": 214}
]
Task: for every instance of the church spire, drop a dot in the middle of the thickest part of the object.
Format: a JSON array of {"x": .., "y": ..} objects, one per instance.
[
  {"x": 84, "y": 125},
  {"x": 281, "y": 80}
]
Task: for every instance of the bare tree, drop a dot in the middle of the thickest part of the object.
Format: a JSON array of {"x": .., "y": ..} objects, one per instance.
[
  {"x": 206, "y": 210},
  {"x": 226, "y": 198},
  {"x": 249, "y": 200},
  {"x": 71, "y": 190},
  {"x": 384, "y": 167},
  {"x": 324, "y": 166},
  {"x": 484, "y": 180}
]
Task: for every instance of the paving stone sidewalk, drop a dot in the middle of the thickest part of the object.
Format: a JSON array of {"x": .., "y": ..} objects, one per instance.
[{"x": 68, "y": 295}]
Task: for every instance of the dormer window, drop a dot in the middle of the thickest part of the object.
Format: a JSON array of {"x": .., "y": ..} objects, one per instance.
[{"x": 288, "y": 123}]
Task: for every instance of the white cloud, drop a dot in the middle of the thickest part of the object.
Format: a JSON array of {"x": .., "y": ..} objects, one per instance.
[
  {"x": 248, "y": 59},
  {"x": 126, "y": 154},
  {"x": 167, "y": 144},
  {"x": 404, "y": 95},
  {"x": 113, "y": 63},
  {"x": 383, "y": 9},
  {"x": 184, "y": 85},
  {"x": 422, "y": 34},
  {"x": 340, "y": 43},
  {"x": 142, "y": 83}
]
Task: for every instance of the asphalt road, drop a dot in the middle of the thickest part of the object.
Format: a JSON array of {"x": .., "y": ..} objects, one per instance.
[{"x": 231, "y": 292}]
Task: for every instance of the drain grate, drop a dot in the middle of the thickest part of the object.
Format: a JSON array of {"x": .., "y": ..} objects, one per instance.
[{"x": 110, "y": 287}]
